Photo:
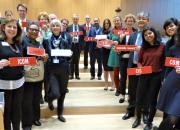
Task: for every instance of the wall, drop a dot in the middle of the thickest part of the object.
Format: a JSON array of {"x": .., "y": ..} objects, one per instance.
[
  {"x": 159, "y": 10},
  {"x": 66, "y": 8}
]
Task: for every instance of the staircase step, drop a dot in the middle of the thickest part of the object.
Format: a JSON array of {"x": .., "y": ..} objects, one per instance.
[
  {"x": 86, "y": 82},
  {"x": 92, "y": 122},
  {"x": 89, "y": 100}
]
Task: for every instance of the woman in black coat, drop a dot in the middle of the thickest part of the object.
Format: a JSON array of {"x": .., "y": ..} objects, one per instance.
[{"x": 57, "y": 67}]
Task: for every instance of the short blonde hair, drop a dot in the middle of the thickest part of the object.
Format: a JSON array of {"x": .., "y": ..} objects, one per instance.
[
  {"x": 129, "y": 16},
  {"x": 44, "y": 14}
]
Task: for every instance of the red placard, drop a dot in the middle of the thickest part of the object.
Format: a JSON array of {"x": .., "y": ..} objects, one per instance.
[
  {"x": 21, "y": 61},
  {"x": 139, "y": 71},
  {"x": 76, "y": 33},
  {"x": 88, "y": 39},
  {"x": 103, "y": 43},
  {"x": 119, "y": 48},
  {"x": 35, "y": 51},
  {"x": 172, "y": 62},
  {"x": 119, "y": 32},
  {"x": 87, "y": 28},
  {"x": 24, "y": 24}
]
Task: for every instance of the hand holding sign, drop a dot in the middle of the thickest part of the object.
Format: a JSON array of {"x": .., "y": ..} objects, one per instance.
[
  {"x": 4, "y": 63},
  {"x": 178, "y": 69}
]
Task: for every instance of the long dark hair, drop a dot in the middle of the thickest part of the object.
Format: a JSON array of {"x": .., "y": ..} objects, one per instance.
[
  {"x": 146, "y": 44},
  {"x": 17, "y": 38},
  {"x": 105, "y": 31}
]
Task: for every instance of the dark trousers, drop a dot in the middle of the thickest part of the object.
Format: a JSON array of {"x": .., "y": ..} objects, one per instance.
[
  {"x": 86, "y": 51},
  {"x": 74, "y": 65},
  {"x": 31, "y": 103},
  {"x": 132, "y": 86},
  {"x": 116, "y": 77},
  {"x": 147, "y": 93},
  {"x": 60, "y": 104},
  {"x": 96, "y": 54},
  {"x": 59, "y": 83},
  {"x": 123, "y": 71},
  {"x": 12, "y": 108}
]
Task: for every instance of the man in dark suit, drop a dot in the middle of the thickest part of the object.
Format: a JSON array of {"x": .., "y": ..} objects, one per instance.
[
  {"x": 87, "y": 26},
  {"x": 95, "y": 52},
  {"x": 22, "y": 11},
  {"x": 77, "y": 42},
  {"x": 135, "y": 39}
]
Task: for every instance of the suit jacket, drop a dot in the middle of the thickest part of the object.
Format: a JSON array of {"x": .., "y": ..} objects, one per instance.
[
  {"x": 124, "y": 43},
  {"x": 92, "y": 33},
  {"x": 70, "y": 29},
  {"x": 132, "y": 40},
  {"x": 81, "y": 37},
  {"x": 84, "y": 30}
]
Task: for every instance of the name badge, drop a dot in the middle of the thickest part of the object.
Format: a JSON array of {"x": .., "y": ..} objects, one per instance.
[
  {"x": 5, "y": 44},
  {"x": 55, "y": 60}
]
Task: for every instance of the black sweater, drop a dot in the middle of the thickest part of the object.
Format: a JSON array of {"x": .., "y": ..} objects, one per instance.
[{"x": 10, "y": 73}]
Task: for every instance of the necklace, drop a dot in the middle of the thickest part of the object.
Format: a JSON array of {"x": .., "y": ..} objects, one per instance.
[{"x": 15, "y": 48}]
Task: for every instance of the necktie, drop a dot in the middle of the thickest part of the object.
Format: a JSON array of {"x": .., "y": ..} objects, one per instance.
[
  {"x": 87, "y": 31},
  {"x": 75, "y": 28}
]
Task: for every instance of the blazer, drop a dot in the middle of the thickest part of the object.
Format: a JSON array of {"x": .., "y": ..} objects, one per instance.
[
  {"x": 92, "y": 33},
  {"x": 131, "y": 41},
  {"x": 70, "y": 29}
]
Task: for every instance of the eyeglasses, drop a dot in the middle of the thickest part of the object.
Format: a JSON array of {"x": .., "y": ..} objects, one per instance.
[
  {"x": 33, "y": 30},
  {"x": 22, "y": 10}
]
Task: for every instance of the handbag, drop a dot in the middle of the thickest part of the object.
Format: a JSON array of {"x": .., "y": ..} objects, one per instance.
[{"x": 34, "y": 73}]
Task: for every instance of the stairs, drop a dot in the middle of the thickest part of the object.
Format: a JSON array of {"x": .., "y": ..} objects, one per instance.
[{"x": 89, "y": 107}]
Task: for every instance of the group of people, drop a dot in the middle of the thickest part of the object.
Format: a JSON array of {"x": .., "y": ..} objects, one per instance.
[{"x": 22, "y": 85}]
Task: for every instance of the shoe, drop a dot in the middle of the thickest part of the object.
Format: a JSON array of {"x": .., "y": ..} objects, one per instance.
[
  {"x": 41, "y": 100},
  {"x": 99, "y": 78},
  {"x": 50, "y": 105},
  {"x": 117, "y": 93},
  {"x": 27, "y": 128},
  {"x": 127, "y": 116},
  {"x": 136, "y": 123},
  {"x": 71, "y": 77},
  {"x": 37, "y": 123},
  {"x": 122, "y": 98},
  {"x": 61, "y": 118},
  {"x": 105, "y": 88},
  {"x": 67, "y": 90},
  {"x": 111, "y": 89},
  {"x": 85, "y": 67},
  {"x": 145, "y": 118},
  {"x": 92, "y": 78},
  {"x": 78, "y": 78},
  {"x": 148, "y": 127}
]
